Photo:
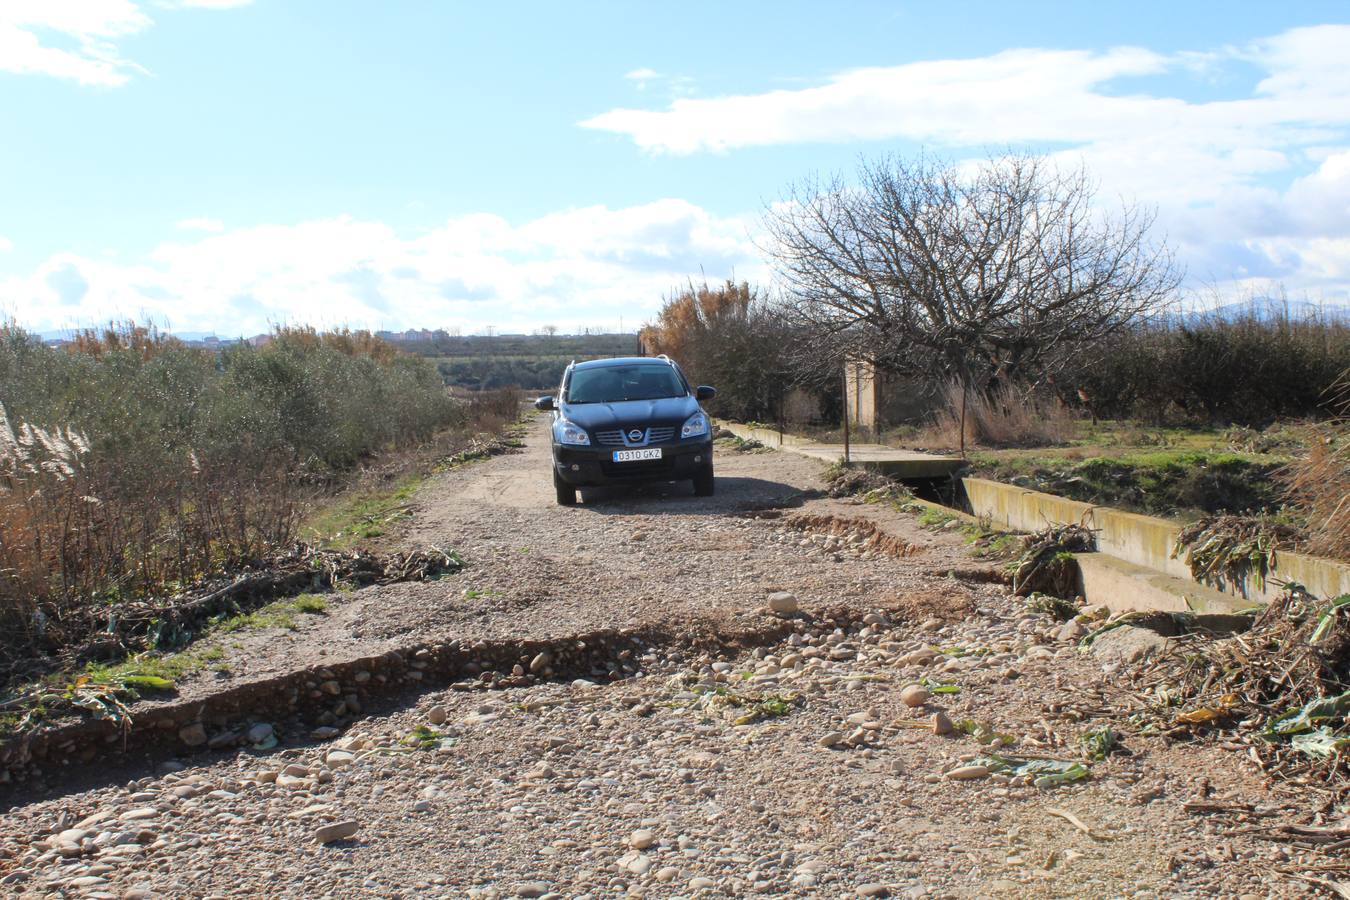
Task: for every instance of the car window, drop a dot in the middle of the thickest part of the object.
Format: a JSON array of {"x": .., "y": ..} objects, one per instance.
[{"x": 615, "y": 384}]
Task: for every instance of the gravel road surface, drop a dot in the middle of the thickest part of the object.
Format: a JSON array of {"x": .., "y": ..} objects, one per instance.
[{"x": 794, "y": 768}]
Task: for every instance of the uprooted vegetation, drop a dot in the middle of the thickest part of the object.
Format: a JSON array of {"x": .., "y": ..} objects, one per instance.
[
  {"x": 1281, "y": 688},
  {"x": 844, "y": 480},
  {"x": 133, "y": 466},
  {"x": 732, "y": 441},
  {"x": 165, "y": 624},
  {"x": 1047, "y": 564},
  {"x": 1229, "y": 551}
]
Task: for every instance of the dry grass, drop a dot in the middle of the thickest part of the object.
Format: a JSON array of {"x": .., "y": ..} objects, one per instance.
[
  {"x": 1005, "y": 417},
  {"x": 1318, "y": 484},
  {"x": 492, "y": 411}
]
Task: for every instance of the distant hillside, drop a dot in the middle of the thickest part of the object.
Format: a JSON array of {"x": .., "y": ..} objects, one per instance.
[
  {"x": 533, "y": 362},
  {"x": 478, "y": 345},
  {"x": 1271, "y": 309}
]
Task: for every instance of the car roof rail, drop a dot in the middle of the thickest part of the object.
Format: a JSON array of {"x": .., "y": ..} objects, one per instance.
[{"x": 663, "y": 356}]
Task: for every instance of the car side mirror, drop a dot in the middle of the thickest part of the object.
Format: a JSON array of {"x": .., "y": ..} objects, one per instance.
[
  {"x": 705, "y": 392},
  {"x": 544, "y": 404}
]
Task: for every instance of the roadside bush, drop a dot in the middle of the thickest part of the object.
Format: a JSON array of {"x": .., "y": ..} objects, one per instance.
[
  {"x": 1262, "y": 365},
  {"x": 493, "y": 410},
  {"x": 731, "y": 337},
  {"x": 130, "y": 461}
]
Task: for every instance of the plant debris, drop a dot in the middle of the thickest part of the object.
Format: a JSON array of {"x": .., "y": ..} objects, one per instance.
[
  {"x": 1045, "y": 773},
  {"x": 105, "y": 699},
  {"x": 1283, "y": 687},
  {"x": 1226, "y": 550},
  {"x": 745, "y": 708},
  {"x": 1050, "y": 605},
  {"x": 1099, "y": 743},
  {"x": 137, "y": 625},
  {"x": 1047, "y": 566},
  {"x": 1075, "y": 822},
  {"x": 848, "y": 481},
  {"x": 984, "y": 733}
]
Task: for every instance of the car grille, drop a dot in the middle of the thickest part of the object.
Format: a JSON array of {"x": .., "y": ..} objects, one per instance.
[{"x": 615, "y": 438}]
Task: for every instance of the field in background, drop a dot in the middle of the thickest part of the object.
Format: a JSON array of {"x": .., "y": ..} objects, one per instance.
[{"x": 532, "y": 362}]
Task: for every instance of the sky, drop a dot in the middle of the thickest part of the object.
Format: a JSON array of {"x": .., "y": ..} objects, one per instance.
[{"x": 227, "y": 165}]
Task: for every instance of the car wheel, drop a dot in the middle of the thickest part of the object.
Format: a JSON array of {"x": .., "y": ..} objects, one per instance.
[
  {"x": 567, "y": 495},
  {"x": 703, "y": 483}
]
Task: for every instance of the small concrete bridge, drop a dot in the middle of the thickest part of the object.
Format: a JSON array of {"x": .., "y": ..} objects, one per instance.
[{"x": 889, "y": 461}]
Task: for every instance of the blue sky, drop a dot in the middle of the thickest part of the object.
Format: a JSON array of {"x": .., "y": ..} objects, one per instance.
[{"x": 223, "y": 164}]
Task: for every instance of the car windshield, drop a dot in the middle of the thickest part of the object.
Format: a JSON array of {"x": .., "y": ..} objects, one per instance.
[{"x": 615, "y": 384}]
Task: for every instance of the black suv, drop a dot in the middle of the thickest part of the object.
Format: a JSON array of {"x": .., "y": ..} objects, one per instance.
[{"x": 629, "y": 419}]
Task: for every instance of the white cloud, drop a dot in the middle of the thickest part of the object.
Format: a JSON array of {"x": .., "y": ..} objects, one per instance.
[
  {"x": 581, "y": 267},
  {"x": 1223, "y": 174},
  {"x": 673, "y": 85},
  {"x": 205, "y": 4},
  {"x": 1020, "y": 96},
  {"x": 6, "y": 245},
  {"x": 88, "y": 25},
  {"x": 75, "y": 39},
  {"x": 202, "y": 224}
]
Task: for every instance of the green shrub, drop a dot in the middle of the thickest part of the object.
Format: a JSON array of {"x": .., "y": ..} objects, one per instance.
[
  {"x": 129, "y": 460},
  {"x": 1249, "y": 370}
]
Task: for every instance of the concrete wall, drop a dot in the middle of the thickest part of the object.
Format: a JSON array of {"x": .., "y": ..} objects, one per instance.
[
  {"x": 863, "y": 395},
  {"x": 1143, "y": 540}
]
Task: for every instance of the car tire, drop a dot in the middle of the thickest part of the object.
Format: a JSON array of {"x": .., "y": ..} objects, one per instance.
[
  {"x": 567, "y": 495},
  {"x": 703, "y": 483}
]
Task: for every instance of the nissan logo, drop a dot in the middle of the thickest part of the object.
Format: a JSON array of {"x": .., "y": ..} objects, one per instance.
[{"x": 635, "y": 435}]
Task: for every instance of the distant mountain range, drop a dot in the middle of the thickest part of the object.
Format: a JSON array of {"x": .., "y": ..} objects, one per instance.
[{"x": 1274, "y": 309}]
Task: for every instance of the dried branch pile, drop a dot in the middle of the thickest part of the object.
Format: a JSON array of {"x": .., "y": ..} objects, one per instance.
[
  {"x": 1047, "y": 565},
  {"x": 1283, "y": 686},
  {"x": 849, "y": 481},
  {"x": 1224, "y": 550}
]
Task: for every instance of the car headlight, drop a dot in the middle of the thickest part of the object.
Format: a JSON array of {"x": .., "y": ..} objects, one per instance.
[
  {"x": 696, "y": 425},
  {"x": 569, "y": 433}
]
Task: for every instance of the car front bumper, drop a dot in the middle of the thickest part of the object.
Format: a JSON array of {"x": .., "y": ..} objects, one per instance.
[{"x": 593, "y": 466}]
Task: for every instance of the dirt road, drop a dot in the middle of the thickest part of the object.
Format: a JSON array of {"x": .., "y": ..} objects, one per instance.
[{"x": 786, "y": 765}]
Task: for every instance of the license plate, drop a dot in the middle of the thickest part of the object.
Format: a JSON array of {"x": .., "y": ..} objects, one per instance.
[{"x": 635, "y": 455}]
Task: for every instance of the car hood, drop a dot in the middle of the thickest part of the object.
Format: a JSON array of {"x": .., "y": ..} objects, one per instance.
[{"x": 593, "y": 416}]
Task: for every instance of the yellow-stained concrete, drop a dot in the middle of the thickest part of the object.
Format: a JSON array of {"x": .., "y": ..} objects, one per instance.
[
  {"x": 1126, "y": 587},
  {"x": 1143, "y": 540}
]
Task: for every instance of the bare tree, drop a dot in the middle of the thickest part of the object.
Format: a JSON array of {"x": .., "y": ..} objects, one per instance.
[{"x": 967, "y": 273}]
